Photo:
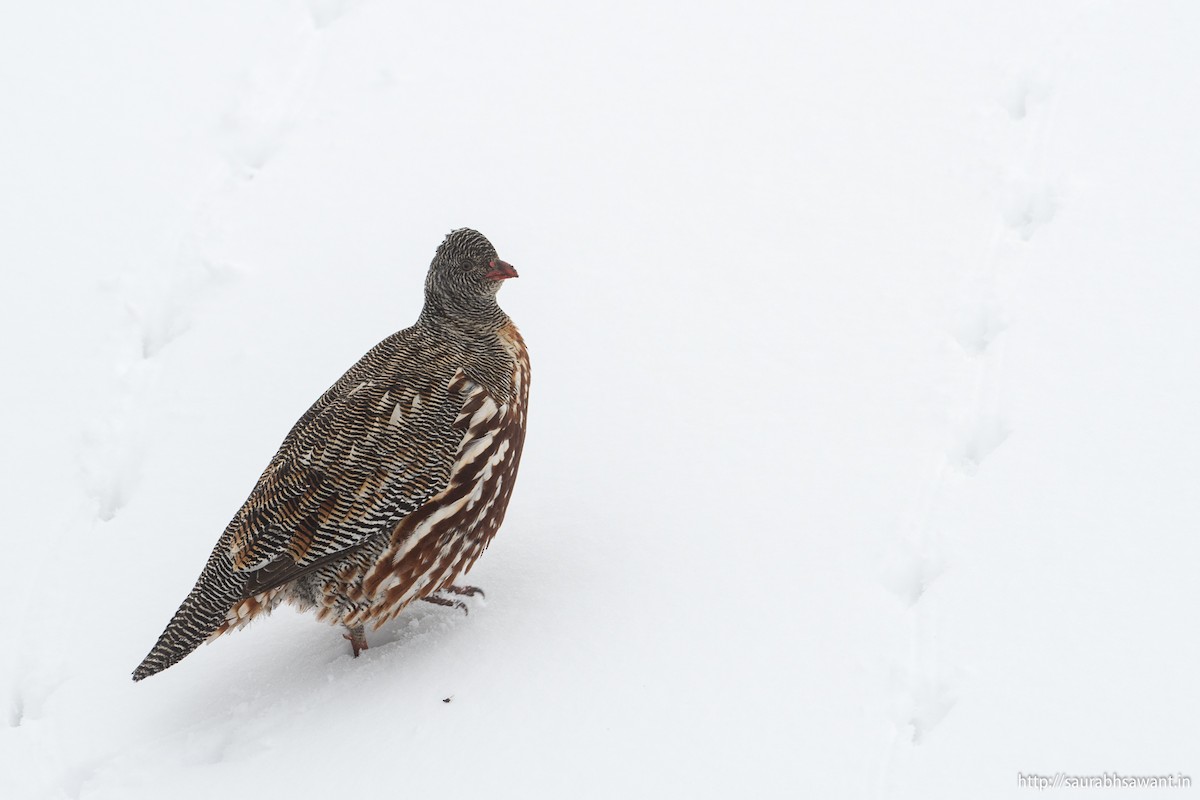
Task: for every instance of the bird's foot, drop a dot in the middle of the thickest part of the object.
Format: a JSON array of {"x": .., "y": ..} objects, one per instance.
[
  {"x": 463, "y": 591},
  {"x": 469, "y": 591},
  {"x": 357, "y": 638},
  {"x": 446, "y": 601}
]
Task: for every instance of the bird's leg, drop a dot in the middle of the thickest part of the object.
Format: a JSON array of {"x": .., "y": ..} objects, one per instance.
[
  {"x": 469, "y": 591},
  {"x": 357, "y": 638},
  {"x": 446, "y": 601}
]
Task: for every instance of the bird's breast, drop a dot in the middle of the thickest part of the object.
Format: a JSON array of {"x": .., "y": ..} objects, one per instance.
[{"x": 440, "y": 541}]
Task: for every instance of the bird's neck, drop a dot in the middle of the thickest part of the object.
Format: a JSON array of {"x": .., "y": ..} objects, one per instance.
[{"x": 479, "y": 314}]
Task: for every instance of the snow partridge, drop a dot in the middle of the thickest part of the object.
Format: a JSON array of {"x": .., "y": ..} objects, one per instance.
[{"x": 392, "y": 484}]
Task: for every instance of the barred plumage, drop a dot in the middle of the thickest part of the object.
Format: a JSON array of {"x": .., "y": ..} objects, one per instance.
[{"x": 392, "y": 484}]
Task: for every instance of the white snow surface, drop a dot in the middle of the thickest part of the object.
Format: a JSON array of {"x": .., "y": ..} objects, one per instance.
[{"x": 865, "y": 422}]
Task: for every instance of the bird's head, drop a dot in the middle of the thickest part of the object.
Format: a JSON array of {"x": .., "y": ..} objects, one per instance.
[{"x": 466, "y": 269}]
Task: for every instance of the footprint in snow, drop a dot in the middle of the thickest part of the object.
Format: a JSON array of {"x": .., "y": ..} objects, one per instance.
[
  {"x": 1024, "y": 92},
  {"x": 929, "y": 703},
  {"x": 976, "y": 328},
  {"x": 326, "y": 12},
  {"x": 254, "y": 128},
  {"x": 16, "y": 710},
  {"x": 978, "y": 442},
  {"x": 912, "y": 573},
  {"x": 109, "y": 460},
  {"x": 1027, "y": 207}
]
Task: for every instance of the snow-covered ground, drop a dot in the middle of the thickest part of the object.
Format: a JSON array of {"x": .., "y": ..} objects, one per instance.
[{"x": 865, "y": 429}]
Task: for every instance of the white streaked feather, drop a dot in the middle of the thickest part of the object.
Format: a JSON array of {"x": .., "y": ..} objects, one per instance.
[{"x": 397, "y": 416}]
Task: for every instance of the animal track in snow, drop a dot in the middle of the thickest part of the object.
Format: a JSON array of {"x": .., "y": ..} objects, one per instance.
[
  {"x": 922, "y": 695},
  {"x": 979, "y": 325},
  {"x": 205, "y": 746},
  {"x": 1024, "y": 91},
  {"x": 16, "y": 710},
  {"x": 32, "y": 686},
  {"x": 925, "y": 705},
  {"x": 326, "y": 12},
  {"x": 164, "y": 312},
  {"x": 157, "y": 310},
  {"x": 75, "y": 778},
  {"x": 109, "y": 450},
  {"x": 1028, "y": 206},
  {"x": 269, "y": 106},
  {"x": 911, "y": 574},
  {"x": 159, "y": 306},
  {"x": 976, "y": 443},
  {"x": 110, "y": 469}
]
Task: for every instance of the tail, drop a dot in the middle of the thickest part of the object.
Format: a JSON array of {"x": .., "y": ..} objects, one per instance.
[{"x": 217, "y": 591}]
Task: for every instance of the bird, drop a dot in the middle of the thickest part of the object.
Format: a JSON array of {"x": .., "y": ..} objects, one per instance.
[{"x": 391, "y": 485}]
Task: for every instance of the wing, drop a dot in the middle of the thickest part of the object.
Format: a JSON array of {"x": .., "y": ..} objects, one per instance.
[{"x": 371, "y": 450}]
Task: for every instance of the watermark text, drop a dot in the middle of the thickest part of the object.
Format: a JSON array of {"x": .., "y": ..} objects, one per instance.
[{"x": 1105, "y": 780}]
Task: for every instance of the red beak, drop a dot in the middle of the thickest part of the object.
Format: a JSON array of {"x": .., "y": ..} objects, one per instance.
[{"x": 501, "y": 270}]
